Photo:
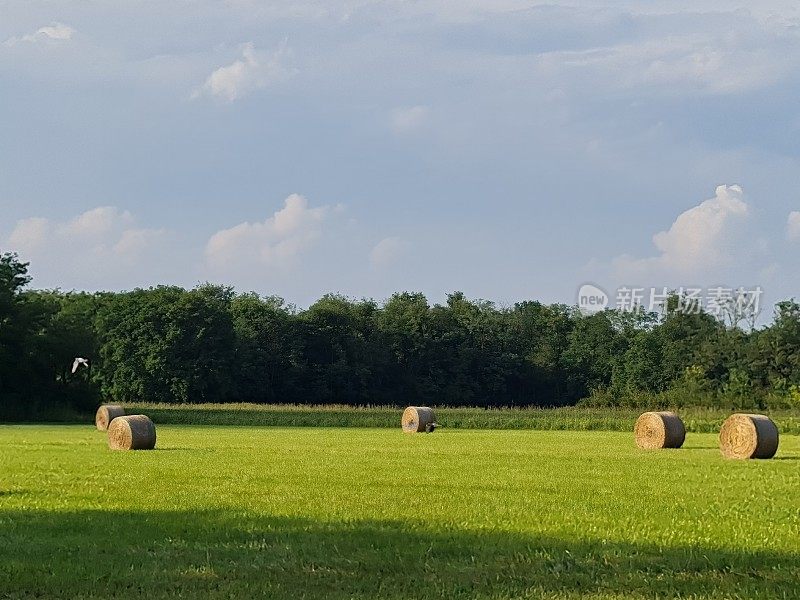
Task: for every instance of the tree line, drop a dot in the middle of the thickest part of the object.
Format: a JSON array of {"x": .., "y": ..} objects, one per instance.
[{"x": 211, "y": 344}]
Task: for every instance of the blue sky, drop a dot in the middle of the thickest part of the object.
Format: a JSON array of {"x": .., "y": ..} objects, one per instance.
[{"x": 508, "y": 149}]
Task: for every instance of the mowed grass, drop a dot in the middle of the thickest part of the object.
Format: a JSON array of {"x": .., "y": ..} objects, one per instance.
[{"x": 246, "y": 512}]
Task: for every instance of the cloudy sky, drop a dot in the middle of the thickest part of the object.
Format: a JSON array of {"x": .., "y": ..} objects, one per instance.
[{"x": 508, "y": 149}]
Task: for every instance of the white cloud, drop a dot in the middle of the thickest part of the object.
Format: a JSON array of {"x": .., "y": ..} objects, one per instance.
[
  {"x": 96, "y": 223},
  {"x": 252, "y": 71},
  {"x": 95, "y": 250},
  {"x": 409, "y": 119},
  {"x": 278, "y": 241},
  {"x": 705, "y": 64},
  {"x": 387, "y": 251},
  {"x": 793, "y": 226},
  {"x": 29, "y": 234},
  {"x": 135, "y": 242},
  {"x": 703, "y": 239},
  {"x": 55, "y": 31}
]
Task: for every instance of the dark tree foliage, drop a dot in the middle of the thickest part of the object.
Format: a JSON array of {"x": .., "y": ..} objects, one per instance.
[
  {"x": 209, "y": 344},
  {"x": 167, "y": 345},
  {"x": 40, "y": 335},
  {"x": 266, "y": 349}
]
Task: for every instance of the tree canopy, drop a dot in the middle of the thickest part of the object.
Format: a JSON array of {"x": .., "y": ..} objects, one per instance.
[{"x": 211, "y": 344}]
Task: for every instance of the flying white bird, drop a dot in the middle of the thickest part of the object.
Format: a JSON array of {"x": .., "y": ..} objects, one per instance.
[{"x": 78, "y": 362}]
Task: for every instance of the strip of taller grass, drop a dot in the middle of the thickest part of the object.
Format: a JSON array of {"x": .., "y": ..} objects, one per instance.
[{"x": 697, "y": 420}]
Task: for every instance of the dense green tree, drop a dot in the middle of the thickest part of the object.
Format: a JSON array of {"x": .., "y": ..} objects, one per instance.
[
  {"x": 40, "y": 335},
  {"x": 404, "y": 326},
  {"x": 776, "y": 357},
  {"x": 167, "y": 344},
  {"x": 340, "y": 357},
  {"x": 15, "y": 332},
  {"x": 541, "y": 335},
  {"x": 267, "y": 349},
  {"x": 595, "y": 343}
]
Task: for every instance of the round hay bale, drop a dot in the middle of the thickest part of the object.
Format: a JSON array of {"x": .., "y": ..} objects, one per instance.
[
  {"x": 659, "y": 430},
  {"x": 417, "y": 419},
  {"x": 106, "y": 414},
  {"x": 132, "y": 432},
  {"x": 748, "y": 436}
]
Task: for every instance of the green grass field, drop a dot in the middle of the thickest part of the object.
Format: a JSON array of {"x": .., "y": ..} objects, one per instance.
[{"x": 246, "y": 512}]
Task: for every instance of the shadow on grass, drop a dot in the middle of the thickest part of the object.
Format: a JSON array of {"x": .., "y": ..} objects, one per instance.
[{"x": 97, "y": 554}]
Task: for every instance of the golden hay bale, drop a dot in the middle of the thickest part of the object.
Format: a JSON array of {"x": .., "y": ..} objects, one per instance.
[
  {"x": 659, "y": 430},
  {"x": 132, "y": 432},
  {"x": 417, "y": 419},
  {"x": 106, "y": 414},
  {"x": 748, "y": 436}
]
